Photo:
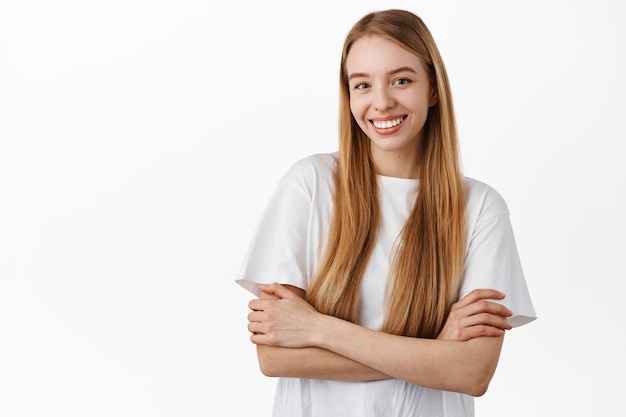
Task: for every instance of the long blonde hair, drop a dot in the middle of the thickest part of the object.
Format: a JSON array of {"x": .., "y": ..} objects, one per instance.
[{"x": 426, "y": 271}]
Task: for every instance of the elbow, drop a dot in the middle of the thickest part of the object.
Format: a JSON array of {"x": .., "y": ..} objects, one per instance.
[
  {"x": 268, "y": 363},
  {"x": 479, "y": 384},
  {"x": 478, "y": 389},
  {"x": 268, "y": 370},
  {"x": 481, "y": 368}
]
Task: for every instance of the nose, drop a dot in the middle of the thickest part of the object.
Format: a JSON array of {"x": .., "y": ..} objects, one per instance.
[{"x": 383, "y": 99}]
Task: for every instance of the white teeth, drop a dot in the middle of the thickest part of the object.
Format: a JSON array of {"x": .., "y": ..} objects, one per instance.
[{"x": 387, "y": 123}]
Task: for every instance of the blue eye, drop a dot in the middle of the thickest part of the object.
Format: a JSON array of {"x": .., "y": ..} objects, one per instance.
[{"x": 361, "y": 86}]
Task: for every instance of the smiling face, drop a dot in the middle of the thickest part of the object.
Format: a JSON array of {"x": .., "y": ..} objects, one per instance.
[{"x": 390, "y": 94}]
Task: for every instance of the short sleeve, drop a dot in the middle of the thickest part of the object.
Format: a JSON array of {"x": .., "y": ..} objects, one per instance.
[
  {"x": 492, "y": 259},
  {"x": 277, "y": 251},
  {"x": 290, "y": 236}
]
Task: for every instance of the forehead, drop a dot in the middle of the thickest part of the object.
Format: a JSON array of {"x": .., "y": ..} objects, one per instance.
[{"x": 374, "y": 54}]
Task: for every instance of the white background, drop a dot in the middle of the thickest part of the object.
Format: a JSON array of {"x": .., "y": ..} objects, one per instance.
[{"x": 140, "y": 140}]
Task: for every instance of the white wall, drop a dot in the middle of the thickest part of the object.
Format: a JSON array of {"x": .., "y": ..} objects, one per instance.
[{"x": 139, "y": 141}]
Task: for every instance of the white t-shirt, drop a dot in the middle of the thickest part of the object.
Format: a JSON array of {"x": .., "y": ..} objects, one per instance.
[{"x": 288, "y": 245}]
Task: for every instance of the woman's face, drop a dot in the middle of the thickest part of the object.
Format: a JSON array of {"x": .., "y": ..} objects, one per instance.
[{"x": 390, "y": 94}]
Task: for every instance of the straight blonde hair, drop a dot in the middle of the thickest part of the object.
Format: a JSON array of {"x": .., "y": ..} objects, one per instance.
[{"x": 426, "y": 271}]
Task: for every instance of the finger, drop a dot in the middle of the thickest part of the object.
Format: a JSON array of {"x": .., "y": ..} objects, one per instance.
[
  {"x": 480, "y": 294},
  {"x": 485, "y": 319},
  {"x": 255, "y": 328},
  {"x": 465, "y": 318},
  {"x": 259, "y": 339},
  {"x": 258, "y": 304},
  {"x": 484, "y": 306},
  {"x": 296, "y": 290},
  {"x": 255, "y": 316},
  {"x": 278, "y": 290},
  {"x": 481, "y": 331},
  {"x": 267, "y": 296},
  {"x": 484, "y": 294},
  {"x": 267, "y": 288},
  {"x": 491, "y": 314}
]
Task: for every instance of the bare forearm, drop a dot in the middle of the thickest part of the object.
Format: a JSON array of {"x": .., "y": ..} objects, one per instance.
[
  {"x": 297, "y": 341},
  {"x": 313, "y": 363},
  {"x": 465, "y": 367}
]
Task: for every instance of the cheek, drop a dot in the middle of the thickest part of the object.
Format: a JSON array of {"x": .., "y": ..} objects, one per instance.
[
  {"x": 357, "y": 108},
  {"x": 353, "y": 107},
  {"x": 358, "y": 114},
  {"x": 420, "y": 105}
]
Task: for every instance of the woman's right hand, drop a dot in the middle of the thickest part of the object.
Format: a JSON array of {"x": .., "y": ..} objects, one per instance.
[{"x": 476, "y": 315}]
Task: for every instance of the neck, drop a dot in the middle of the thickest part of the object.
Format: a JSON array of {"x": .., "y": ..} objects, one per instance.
[{"x": 395, "y": 164}]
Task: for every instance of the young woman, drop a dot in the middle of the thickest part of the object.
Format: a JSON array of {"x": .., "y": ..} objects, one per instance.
[{"x": 385, "y": 278}]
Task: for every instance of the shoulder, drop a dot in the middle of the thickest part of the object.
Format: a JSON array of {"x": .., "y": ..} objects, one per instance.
[
  {"x": 320, "y": 163},
  {"x": 483, "y": 201},
  {"x": 311, "y": 172}
]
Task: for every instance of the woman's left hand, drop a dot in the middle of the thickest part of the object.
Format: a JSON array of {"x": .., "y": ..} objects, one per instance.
[
  {"x": 476, "y": 315},
  {"x": 281, "y": 318}
]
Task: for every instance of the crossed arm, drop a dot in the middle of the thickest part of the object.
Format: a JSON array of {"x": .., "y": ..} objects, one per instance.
[{"x": 294, "y": 340}]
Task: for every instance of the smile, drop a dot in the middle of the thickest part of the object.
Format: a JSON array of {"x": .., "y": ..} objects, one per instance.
[{"x": 388, "y": 124}]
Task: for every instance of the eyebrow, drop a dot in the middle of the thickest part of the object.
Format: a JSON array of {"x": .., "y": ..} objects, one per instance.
[{"x": 392, "y": 72}]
